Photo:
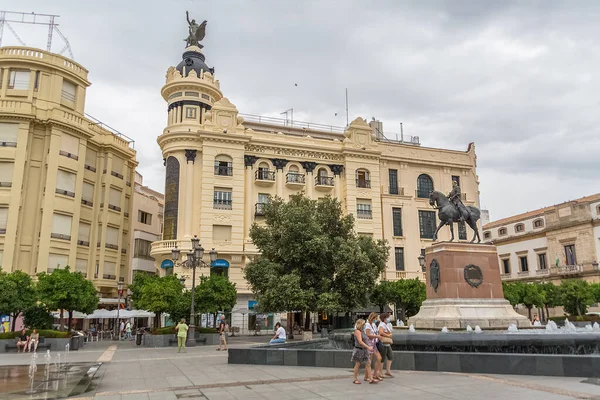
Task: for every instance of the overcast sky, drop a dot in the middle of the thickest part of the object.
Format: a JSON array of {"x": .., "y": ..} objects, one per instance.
[{"x": 520, "y": 79}]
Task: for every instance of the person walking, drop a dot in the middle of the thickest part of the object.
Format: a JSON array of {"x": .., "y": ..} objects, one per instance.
[
  {"x": 386, "y": 339},
  {"x": 222, "y": 333},
  {"x": 360, "y": 353},
  {"x": 372, "y": 334},
  {"x": 121, "y": 329},
  {"x": 128, "y": 332},
  {"x": 182, "y": 330}
]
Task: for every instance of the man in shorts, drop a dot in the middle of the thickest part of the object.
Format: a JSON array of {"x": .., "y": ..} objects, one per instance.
[{"x": 222, "y": 333}]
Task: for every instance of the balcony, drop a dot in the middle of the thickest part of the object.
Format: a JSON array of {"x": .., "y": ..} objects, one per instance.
[
  {"x": 567, "y": 270},
  {"x": 506, "y": 277},
  {"x": 90, "y": 168},
  {"x": 259, "y": 209},
  {"x": 116, "y": 174},
  {"x": 295, "y": 179},
  {"x": 410, "y": 275},
  {"x": 264, "y": 177},
  {"x": 522, "y": 274},
  {"x": 222, "y": 204},
  {"x": 364, "y": 214},
  {"x": 114, "y": 208},
  {"x": 87, "y": 202},
  {"x": 542, "y": 272},
  {"x": 109, "y": 276},
  {"x": 323, "y": 182},
  {"x": 363, "y": 183},
  {"x": 111, "y": 246},
  {"x": 60, "y": 236},
  {"x": 83, "y": 243},
  {"x": 68, "y": 155},
  {"x": 65, "y": 192},
  {"x": 223, "y": 171}
]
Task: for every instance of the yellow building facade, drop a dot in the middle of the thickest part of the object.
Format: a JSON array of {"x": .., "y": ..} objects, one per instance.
[
  {"x": 222, "y": 166},
  {"x": 65, "y": 178}
]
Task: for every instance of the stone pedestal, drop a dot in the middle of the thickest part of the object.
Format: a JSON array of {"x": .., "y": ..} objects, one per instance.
[{"x": 464, "y": 288}]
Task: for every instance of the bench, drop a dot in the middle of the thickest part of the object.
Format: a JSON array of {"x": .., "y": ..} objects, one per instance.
[
  {"x": 198, "y": 340},
  {"x": 41, "y": 345}
]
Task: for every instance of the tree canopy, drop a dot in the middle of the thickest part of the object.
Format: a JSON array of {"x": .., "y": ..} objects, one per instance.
[
  {"x": 155, "y": 293},
  {"x": 408, "y": 296},
  {"x": 576, "y": 296},
  {"x": 311, "y": 259},
  {"x": 17, "y": 294}
]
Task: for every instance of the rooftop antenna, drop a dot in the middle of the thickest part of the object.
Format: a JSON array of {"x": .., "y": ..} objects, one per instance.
[
  {"x": 346, "y": 106},
  {"x": 291, "y": 111},
  {"x": 401, "y": 133},
  {"x": 34, "y": 19}
]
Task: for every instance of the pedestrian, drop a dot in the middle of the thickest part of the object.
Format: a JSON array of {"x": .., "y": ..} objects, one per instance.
[
  {"x": 279, "y": 336},
  {"x": 181, "y": 330},
  {"x": 387, "y": 355},
  {"x": 222, "y": 332},
  {"x": 2, "y": 329},
  {"x": 121, "y": 329},
  {"x": 372, "y": 334},
  {"x": 360, "y": 353},
  {"x": 128, "y": 332}
]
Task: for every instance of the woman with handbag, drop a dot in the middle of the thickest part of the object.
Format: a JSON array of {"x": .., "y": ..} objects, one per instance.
[
  {"x": 360, "y": 354},
  {"x": 387, "y": 355},
  {"x": 372, "y": 334}
]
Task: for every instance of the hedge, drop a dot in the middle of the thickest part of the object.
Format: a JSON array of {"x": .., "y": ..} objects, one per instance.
[
  {"x": 576, "y": 318},
  {"x": 47, "y": 333},
  {"x": 170, "y": 330}
]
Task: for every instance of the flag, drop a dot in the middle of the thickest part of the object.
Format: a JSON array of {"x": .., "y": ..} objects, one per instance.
[{"x": 557, "y": 261}]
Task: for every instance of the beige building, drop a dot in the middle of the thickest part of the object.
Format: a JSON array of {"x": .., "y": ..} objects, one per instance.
[
  {"x": 65, "y": 178},
  {"x": 550, "y": 244},
  {"x": 222, "y": 166},
  {"x": 147, "y": 226}
]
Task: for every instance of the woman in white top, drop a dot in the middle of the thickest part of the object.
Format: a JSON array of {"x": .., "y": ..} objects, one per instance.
[
  {"x": 372, "y": 334},
  {"x": 279, "y": 335},
  {"x": 386, "y": 334}
]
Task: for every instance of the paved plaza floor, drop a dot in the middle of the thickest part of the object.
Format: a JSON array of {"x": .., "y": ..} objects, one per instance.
[{"x": 131, "y": 372}]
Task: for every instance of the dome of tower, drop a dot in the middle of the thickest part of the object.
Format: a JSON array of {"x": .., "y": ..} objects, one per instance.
[{"x": 193, "y": 59}]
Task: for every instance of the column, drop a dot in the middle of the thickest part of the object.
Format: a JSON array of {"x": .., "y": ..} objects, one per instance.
[
  {"x": 337, "y": 181},
  {"x": 190, "y": 156},
  {"x": 249, "y": 192},
  {"x": 309, "y": 167},
  {"x": 279, "y": 164}
]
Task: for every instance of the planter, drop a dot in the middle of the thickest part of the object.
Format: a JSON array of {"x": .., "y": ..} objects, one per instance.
[
  {"x": 150, "y": 340},
  {"x": 212, "y": 339},
  {"x": 307, "y": 335},
  {"x": 4, "y": 342},
  {"x": 57, "y": 344}
]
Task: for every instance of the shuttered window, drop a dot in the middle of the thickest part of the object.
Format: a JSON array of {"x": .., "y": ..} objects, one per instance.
[
  {"x": 126, "y": 206},
  {"x": 65, "y": 183},
  {"x": 83, "y": 237},
  {"x": 8, "y": 134},
  {"x": 19, "y": 80},
  {"x": 6, "y": 174},
  {"x": 117, "y": 166},
  {"x": 91, "y": 157},
  {"x": 3, "y": 219},
  {"x": 57, "y": 261},
  {"x": 110, "y": 269},
  {"x": 87, "y": 194},
  {"x": 221, "y": 233},
  {"x": 69, "y": 91},
  {"x": 112, "y": 237},
  {"x": 69, "y": 146},
  {"x": 114, "y": 199},
  {"x": 81, "y": 266},
  {"x": 61, "y": 226}
]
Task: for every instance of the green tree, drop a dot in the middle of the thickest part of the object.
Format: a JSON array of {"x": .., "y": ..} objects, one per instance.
[
  {"x": 38, "y": 317},
  {"x": 383, "y": 294},
  {"x": 533, "y": 296},
  {"x": 513, "y": 292},
  {"x": 155, "y": 294},
  {"x": 66, "y": 290},
  {"x": 408, "y": 295},
  {"x": 552, "y": 296},
  {"x": 180, "y": 308},
  {"x": 595, "y": 288},
  {"x": 311, "y": 259},
  {"x": 17, "y": 294},
  {"x": 576, "y": 296}
]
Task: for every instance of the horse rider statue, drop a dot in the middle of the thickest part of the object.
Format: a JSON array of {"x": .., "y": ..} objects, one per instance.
[{"x": 454, "y": 197}]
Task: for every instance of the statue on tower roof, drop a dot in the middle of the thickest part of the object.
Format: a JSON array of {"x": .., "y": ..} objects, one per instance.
[{"x": 196, "y": 32}]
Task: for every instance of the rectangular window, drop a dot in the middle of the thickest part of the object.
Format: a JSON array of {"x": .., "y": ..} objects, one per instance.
[
  {"x": 83, "y": 236},
  {"x": 87, "y": 194},
  {"x": 8, "y": 134},
  {"x": 114, "y": 199},
  {"x": 190, "y": 112},
  {"x": 399, "y": 258},
  {"x": 6, "y": 174},
  {"x": 456, "y": 179},
  {"x": 81, "y": 266},
  {"x": 221, "y": 233},
  {"x": 462, "y": 231},
  {"x": 523, "y": 263},
  {"x": 397, "y": 221},
  {"x": 506, "y": 265},
  {"x": 69, "y": 146},
  {"x": 427, "y": 224},
  {"x": 126, "y": 207},
  {"x": 224, "y": 168},
  {"x": 3, "y": 219},
  {"x": 110, "y": 269},
  {"x": 542, "y": 261},
  {"x": 263, "y": 198},
  {"x": 68, "y": 92},
  {"x": 144, "y": 217},
  {"x": 570, "y": 255},
  {"x": 19, "y": 80},
  {"x": 57, "y": 261},
  {"x": 65, "y": 183},
  {"x": 36, "y": 83},
  {"x": 393, "y": 176},
  {"x": 222, "y": 199},
  {"x": 117, "y": 167},
  {"x": 112, "y": 238},
  {"x": 61, "y": 226},
  {"x": 91, "y": 157},
  {"x": 141, "y": 249},
  {"x": 363, "y": 209}
]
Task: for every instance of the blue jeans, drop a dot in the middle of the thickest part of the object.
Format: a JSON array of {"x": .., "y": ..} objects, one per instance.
[
  {"x": 277, "y": 341},
  {"x": 127, "y": 334}
]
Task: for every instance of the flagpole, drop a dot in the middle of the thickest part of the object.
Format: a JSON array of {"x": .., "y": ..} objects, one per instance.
[{"x": 346, "y": 106}]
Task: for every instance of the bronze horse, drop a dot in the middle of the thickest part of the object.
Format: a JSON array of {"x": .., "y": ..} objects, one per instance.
[{"x": 448, "y": 214}]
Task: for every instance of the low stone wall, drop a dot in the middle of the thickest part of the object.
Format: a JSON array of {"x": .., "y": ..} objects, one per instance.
[
  {"x": 587, "y": 366},
  {"x": 150, "y": 340},
  {"x": 55, "y": 344}
]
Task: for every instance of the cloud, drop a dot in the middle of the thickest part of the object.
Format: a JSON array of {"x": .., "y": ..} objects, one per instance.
[{"x": 518, "y": 79}]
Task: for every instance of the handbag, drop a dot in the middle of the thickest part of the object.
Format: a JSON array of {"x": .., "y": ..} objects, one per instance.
[{"x": 387, "y": 340}]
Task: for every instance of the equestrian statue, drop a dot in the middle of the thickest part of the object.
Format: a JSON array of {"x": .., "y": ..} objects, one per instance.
[{"x": 451, "y": 209}]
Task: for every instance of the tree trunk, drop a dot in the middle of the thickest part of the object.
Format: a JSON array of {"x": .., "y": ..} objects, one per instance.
[
  {"x": 70, "y": 324},
  {"x": 547, "y": 313},
  {"x": 403, "y": 312},
  {"x": 14, "y": 317},
  {"x": 157, "y": 320},
  {"x": 307, "y": 321},
  {"x": 290, "y": 326},
  {"x": 529, "y": 312},
  {"x": 61, "y": 320},
  {"x": 543, "y": 316}
]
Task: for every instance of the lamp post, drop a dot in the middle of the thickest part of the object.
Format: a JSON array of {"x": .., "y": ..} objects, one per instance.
[
  {"x": 194, "y": 259},
  {"x": 422, "y": 263},
  {"x": 119, "y": 290}
]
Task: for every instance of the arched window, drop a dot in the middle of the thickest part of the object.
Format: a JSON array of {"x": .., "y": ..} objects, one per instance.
[
  {"x": 424, "y": 186},
  {"x": 487, "y": 235},
  {"x": 323, "y": 177},
  {"x": 502, "y": 232},
  {"x": 263, "y": 172},
  {"x": 294, "y": 168},
  {"x": 519, "y": 228},
  {"x": 363, "y": 179},
  {"x": 223, "y": 165},
  {"x": 538, "y": 223}
]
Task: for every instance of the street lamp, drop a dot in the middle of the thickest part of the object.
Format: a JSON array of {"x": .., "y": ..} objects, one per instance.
[
  {"x": 422, "y": 262},
  {"x": 595, "y": 265},
  {"x": 194, "y": 259},
  {"x": 119, "y": 289}
]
